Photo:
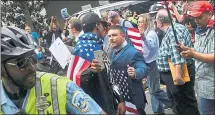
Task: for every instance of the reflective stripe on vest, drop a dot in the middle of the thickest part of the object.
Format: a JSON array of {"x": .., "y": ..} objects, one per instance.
[
  {"x": 1, "y": 113},
  {"x": 47, "y": 85}
]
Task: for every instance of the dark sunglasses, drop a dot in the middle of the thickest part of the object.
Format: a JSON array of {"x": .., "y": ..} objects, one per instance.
[{"x": 24, "y": 62}]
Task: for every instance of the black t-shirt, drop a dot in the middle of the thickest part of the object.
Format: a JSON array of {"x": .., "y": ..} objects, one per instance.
[
  {"x": 50, "y": 34},
  {"x": 57, "y": 33}
]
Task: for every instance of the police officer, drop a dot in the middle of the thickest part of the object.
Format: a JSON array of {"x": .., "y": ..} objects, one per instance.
[{"x": 23, "y": 90}]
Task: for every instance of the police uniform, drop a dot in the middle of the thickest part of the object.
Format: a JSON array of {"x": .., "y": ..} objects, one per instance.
[{"x": 61, "y": 96}]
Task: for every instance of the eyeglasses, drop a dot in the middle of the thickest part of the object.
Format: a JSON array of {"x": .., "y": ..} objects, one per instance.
[{"x": 24, "y": 62}]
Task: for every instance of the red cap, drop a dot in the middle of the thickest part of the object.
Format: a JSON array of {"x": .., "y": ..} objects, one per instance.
[{"x": 200, "y": 7}]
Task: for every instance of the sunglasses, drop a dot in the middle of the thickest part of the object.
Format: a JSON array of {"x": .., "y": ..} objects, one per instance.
[{"x": 24, "y": 62}]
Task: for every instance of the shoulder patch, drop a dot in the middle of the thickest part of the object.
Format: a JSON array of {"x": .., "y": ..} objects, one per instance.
[{"x": 80, "y": 102}]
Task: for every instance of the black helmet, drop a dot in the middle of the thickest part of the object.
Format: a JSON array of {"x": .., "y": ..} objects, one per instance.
[
  {"x": 155, "y": 7},
  {"x": 14, "y": 42}
]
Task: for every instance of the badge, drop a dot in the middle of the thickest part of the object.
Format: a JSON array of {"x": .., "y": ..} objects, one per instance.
[{"x": 80, "y": 102}]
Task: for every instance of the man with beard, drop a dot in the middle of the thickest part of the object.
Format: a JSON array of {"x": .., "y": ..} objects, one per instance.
[
  {"x": 25, "y": 91},
  {"x": 96, "y": 83}
]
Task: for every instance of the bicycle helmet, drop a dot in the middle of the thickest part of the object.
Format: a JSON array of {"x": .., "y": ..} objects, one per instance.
[
  {"x": 14, "y": 44},
  {"x": 22, "y": 36}
]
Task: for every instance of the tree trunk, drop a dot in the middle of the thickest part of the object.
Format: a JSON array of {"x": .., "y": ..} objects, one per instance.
[{"x": 27, "y": 15}]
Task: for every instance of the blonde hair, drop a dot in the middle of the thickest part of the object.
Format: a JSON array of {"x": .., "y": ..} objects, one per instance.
[
  {"x": 104, "y": 14},
  {"x": 147, "y": 20},
  {"x": 27, "y": 25},
  {"x": 76, "y": 23}
]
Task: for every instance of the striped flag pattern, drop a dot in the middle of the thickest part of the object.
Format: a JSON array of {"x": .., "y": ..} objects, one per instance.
[
  {"x": 135, "y": 37},
  {"x": 120, "y": 78},
  {"x": 82, "y": 56}
]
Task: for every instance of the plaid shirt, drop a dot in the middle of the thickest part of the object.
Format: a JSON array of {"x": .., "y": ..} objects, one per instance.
[{"x": 168, "y": 47}]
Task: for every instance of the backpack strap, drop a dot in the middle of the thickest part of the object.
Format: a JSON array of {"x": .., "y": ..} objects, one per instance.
[{"x": 123, "y": 23}]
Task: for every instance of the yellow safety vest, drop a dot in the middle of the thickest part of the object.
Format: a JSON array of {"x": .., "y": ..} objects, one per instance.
[{"x": 53, "y": 88}]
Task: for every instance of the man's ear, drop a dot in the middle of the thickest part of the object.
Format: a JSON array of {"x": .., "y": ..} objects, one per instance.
[
  {"x": 123, "y": 35},
  {"x": 161, "y": 24}
]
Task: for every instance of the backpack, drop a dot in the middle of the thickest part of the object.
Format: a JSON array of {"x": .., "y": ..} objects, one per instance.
[{"x": 133, "y": 24}]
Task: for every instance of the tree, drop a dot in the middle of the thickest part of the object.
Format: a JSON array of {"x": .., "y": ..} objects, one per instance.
[{"x": 19, "y": 13}]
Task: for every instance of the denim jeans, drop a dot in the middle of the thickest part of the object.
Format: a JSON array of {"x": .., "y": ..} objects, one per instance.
[
  {"x": 158, "y": 96},
  {"x": 207, "y": 106}
]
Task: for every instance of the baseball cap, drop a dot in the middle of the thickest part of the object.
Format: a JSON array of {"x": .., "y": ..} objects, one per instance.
[
  {"x": 200, "y": 7},
  {"x": 90, "y": 18},
  {"x": 111, "y": 15},
  {"x": 155, "y": 7}
]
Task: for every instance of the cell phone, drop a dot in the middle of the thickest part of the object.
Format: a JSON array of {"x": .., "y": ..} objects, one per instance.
[
  {"x": 178, "y": 47},
  {"x": 98, "y": 55}
]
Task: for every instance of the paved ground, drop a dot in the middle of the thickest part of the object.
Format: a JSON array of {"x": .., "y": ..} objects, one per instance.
[{"x": 148, "y": 108}]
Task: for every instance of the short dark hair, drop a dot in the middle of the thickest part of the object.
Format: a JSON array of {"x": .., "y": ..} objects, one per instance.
[
  {"x": 117, "y": 27},
  {"x": 190, "y": 20}
]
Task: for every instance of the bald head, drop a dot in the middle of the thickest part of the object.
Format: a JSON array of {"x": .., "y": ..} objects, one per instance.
[
  {"x": 163, "y": 17},
  {"x": 163, "y": 12}
]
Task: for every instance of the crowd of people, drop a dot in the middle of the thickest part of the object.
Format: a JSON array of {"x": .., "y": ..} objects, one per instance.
[{"x": 171, "y": 33}]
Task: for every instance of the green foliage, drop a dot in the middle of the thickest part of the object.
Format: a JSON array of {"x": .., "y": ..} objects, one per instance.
[{"x": 19, "y": 13}]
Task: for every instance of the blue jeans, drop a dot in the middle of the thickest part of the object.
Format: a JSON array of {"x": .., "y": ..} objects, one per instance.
[
  {"x": 207, "y": 106},
  {"x": 158, "y": 96}
]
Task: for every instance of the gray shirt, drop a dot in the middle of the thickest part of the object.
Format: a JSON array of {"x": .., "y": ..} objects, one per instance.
[{"x": 204, "y": 43}]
